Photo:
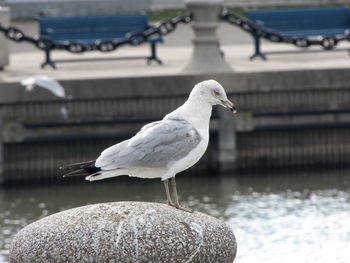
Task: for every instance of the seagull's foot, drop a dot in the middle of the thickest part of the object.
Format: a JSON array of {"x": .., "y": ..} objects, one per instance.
[
  {"x": 189, "y": 210},
  {"x": 180, "y": 207},
  {"x": 170, "y": 203}
]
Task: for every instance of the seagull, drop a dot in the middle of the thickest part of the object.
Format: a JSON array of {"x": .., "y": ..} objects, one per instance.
[
  {"x": 163, "y": 148},
  {"x": 51, "y": 85},
  {"x": 44, "y": 82}
]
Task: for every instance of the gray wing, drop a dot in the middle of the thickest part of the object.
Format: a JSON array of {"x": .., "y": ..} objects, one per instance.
[{"x": 154, "y": 146}]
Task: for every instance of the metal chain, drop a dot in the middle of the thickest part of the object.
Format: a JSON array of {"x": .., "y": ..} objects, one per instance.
[
  {"x": 167, "y": 26},
  {"x": 161, "y": 28},
  {"x": 327, "y": 42}
]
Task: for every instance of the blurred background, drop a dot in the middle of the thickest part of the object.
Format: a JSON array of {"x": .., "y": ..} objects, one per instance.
[{"x": 277, "y": 172}]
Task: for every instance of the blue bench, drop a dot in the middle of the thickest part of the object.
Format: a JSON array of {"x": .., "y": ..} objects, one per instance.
[
  {"x": 300, "y": 22},
  {"x": 89, "y": 29}
]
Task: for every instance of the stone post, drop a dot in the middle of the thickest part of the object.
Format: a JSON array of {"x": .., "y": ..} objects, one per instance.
[
  {"x": 4, "y": 46},
  {"x": 127, "y": 232},
  {"x": 207, "y": 56}
]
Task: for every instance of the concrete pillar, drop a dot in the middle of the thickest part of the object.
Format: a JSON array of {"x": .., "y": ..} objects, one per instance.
[
  {"x": 227, "y": 146},
  {"x": 4, "y": 45},
  {"x": 1, "y": 152},
  {"x": 206, "y": 56}
]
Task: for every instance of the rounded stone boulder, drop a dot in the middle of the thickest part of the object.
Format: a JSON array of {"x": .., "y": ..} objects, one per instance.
[{"x": 128, "y": 232}]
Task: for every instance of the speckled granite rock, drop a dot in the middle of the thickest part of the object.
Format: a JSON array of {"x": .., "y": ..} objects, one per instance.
[{"x": 125, "y": 232}]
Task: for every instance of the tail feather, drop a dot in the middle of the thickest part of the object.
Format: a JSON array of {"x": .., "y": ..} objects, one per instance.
[
  {"x": 80, "y": 169},
  {"x": 105, "y": 174}
]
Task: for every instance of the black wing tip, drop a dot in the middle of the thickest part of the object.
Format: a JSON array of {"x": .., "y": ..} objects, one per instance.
[{"x": 79, "y": 169}]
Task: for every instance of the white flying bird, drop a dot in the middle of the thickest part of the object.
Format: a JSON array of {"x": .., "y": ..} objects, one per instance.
[
  {"x": 163, "y": 148},
  {"x": 51, "y": 85},
  {"x": 46, "y": 83}
]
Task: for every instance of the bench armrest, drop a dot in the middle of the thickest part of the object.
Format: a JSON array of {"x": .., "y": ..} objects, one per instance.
[
  {"x": 155, "y": 39},
  {"x": 48, "y": 31},
  {"x": 260, "y": 23}
]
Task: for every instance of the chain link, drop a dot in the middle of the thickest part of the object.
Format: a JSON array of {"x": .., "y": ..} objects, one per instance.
[
  {"x": 161, "y": 28},
  {"x": 327, "y": 42}
]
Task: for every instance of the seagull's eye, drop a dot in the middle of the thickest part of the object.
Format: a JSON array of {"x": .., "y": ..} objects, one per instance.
[{"x": 216, "y": 92}]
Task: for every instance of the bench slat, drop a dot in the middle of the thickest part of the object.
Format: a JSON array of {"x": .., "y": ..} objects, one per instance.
[
  {"x": 74, "y": 27},
  {"x": 316, "y": 32}
]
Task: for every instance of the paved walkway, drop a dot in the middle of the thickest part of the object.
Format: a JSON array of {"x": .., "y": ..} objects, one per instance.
[{"x": 175, "y": 52}]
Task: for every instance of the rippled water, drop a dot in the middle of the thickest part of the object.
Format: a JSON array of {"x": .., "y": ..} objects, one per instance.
[{"x": 281, "y": 218}]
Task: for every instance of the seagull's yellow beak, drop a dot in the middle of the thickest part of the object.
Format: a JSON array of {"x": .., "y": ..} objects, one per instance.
[{"x": 228, "y": 104}]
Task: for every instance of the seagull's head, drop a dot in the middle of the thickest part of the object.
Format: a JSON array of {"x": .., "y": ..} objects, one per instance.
[{"x": 212, "y": 92}]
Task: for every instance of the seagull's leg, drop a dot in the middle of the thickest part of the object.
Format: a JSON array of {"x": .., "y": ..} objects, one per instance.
[
  {"x": 177, "y": 204},
  {"x": 168, "y": 197}
]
